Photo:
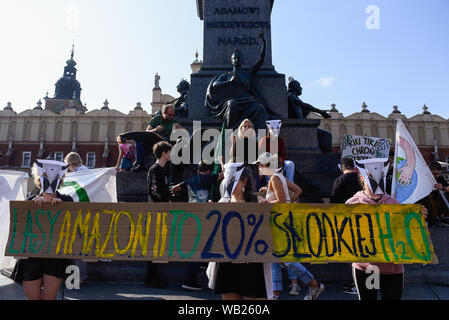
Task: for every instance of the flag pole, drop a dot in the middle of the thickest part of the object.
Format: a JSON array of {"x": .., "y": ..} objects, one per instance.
[
  {"x": 395, "y": 162},
  {"x": 444, "y": 198}
]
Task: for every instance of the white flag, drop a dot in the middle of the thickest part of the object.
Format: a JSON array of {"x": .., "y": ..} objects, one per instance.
[
  {"x": 13, "y": 187},
  {"x": 412, "y": 178},
  {"x": 96, "y": 185}
]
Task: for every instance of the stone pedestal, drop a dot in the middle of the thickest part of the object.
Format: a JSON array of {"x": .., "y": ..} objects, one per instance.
[{"x": 270, "y": 84}]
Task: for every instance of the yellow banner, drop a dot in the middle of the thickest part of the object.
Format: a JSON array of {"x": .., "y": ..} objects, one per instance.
[
  {"x": 358, "y": 233},
  {"x": 246, "y": 232}
]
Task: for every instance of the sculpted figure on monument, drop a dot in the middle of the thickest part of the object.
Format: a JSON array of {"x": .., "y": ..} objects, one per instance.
[
  {"x": 300, "y": 110},
  {"x": 296, "y": 108},
  {"x": 233, "y": 97},
  {"x": 181, "y": 104}
]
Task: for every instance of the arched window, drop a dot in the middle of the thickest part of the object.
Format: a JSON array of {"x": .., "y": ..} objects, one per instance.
[
  {"x": 144, "y": 126},
  {"x": 42, "y": 130},
  {"x": 111, "y": 131},
  {"x": 358, "y": 130},
  {"x": 129, "y": 127},
  {"x": 436, "y": 134},
  {"x": 74, "y": 130},
  {"x": 421, "y": 136},
  {"x": 390, "y": 134},
  {"x": 374, "y": 130},
  {"x": 343, "y": 131},
  {"x": 95, "y": 131},
  {"x": 27, "y": 131},
  {"x": 58, "y": 131},
  {"x": 11, "y": 130}
]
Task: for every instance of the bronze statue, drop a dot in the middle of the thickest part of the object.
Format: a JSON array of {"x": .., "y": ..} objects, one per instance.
[
  {"x": 296, "y": 108},
  {"x": 300, "y": 110},
  {"x": 233, "y": 97},
  {"x": 181, "y": 104}
]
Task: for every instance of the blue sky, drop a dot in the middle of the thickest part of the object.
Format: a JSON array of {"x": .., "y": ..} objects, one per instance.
[{"x": 325, "y": 44}]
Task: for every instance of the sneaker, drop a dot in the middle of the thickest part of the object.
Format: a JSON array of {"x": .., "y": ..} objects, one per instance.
[
  {"x": 156, "y": 283},
  {"x": 351, "y": 289},
  {"x": 192, "y": 286},
  {"x": 294, "y": 290},
  {"x": 314, "y": 293},
  {"x": 275, "y": 298}
]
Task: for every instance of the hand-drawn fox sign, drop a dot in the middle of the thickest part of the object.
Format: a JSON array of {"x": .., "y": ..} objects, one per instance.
[{"x": 221, "y": 232}]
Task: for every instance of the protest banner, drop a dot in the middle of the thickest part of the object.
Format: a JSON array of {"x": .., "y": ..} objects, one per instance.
[
  {"x": 95, "y": 185},
  {"x": 13, "y": 186},
  {"x": 244, "y": 232},
  {"x": 412, "y": 178},
  {"x": 361, "y": 148}
]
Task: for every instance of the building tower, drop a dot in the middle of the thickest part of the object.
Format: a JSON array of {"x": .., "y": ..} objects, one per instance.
[{"x": 67, "y": 90}]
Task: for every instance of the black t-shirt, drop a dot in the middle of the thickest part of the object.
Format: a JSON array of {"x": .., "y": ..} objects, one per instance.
[
  {"x": 158, "y": 184},
  {"x": 443, "y": 181},
  {"x": 249, "y": 147},
  {"x": 345, "y": 187}
]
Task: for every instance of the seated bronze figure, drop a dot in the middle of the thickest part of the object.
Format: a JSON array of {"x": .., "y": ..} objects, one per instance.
[
  {"x": 296, "y": 108},
  {"x": 233, "y": 97}
]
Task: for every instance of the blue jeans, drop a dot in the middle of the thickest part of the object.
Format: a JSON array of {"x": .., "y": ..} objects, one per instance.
[{"x": 295, "y": 270}]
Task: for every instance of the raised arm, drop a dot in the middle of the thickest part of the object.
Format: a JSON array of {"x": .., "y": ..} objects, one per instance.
[{"x": 263, "y": 54}]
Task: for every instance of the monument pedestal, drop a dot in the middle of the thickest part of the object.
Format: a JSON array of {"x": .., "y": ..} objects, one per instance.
[{"x": 270, "y": 84}]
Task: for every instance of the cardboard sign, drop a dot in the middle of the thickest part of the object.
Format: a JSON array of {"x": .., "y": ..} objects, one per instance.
[
  {"x": 361, "y": 148},
  {"x": 246, "y": 232}
]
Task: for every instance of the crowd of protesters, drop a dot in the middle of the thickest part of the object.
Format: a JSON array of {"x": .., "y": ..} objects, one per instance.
[{"x": 241, "y": 180}]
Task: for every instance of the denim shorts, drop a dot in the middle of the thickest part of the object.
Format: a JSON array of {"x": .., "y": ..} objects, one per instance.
[{"x": 126, "y": 164}]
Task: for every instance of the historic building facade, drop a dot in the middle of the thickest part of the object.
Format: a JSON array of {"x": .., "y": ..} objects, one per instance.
[
  {"x": 65, "y": 125},
  {"x": 430, "y": 132}
]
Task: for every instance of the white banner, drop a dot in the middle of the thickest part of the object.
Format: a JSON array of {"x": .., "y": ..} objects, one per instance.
[
  {"x": 412, "y": 178},
  {"x": 362, "y": 148},
  {"x": 96, "y": 185},
  {"x": 13, "y": 187}
]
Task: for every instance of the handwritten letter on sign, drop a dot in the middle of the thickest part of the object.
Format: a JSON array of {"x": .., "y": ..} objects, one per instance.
[
  {"x": 221, "y": 232},
  {"x": 361, "y": 148}
]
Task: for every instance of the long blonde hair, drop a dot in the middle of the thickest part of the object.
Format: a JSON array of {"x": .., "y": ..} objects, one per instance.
[{"x": 244, "y": 134}]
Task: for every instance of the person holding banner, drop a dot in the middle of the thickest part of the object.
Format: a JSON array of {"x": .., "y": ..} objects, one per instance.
[
  {"x": 235, "y": 281},
  {"x": 279, "y": 192},
  {"x": 158, "y": 192},
  {"x": 75, "y": 163},
  {"x": 198, "y": 192},
  {"x": 346, "y": 185},
  {"x": 391, "y": 276},
  {"x": 42, "y": 277}
]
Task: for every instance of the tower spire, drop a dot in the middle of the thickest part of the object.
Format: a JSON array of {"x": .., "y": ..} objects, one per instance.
[{"x": 73, "y": 51}]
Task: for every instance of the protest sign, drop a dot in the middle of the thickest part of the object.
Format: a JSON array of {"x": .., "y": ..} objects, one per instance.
[
  {"x": 361, "y": 148},
  {"x": 13, "y": 186},
  {"x": 412, "y": 178},
  {"x": 244, "y": 232},
  {"x": 95, "y": 185}
]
